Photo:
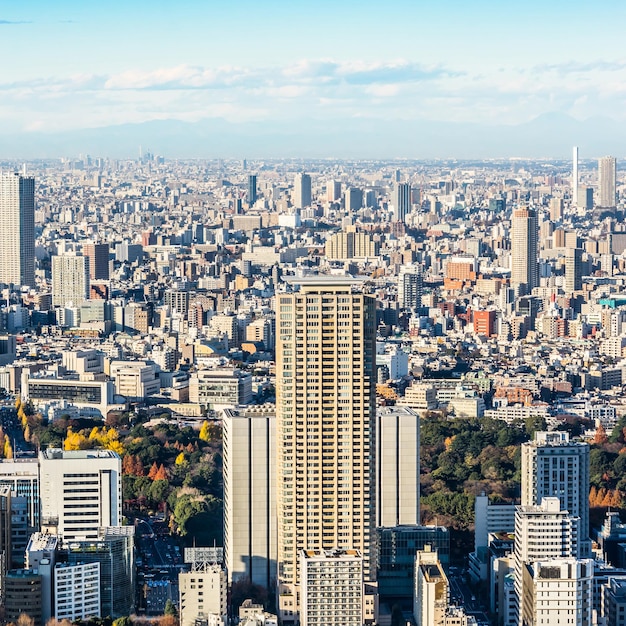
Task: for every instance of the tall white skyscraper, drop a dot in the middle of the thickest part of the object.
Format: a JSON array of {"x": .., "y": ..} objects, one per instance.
[
  {"x": 575, "y": 176},
  {"x": 401, "y": 201},
  {"x": 302, "y": 191},
  {"x": 554, "y": 466},
  {"x": 410, "y": 286},
  {"x": 250, "y": 494},
  {"x": 17, "y": 229},
  {"x": 606, "y": 181},
  {"x": 70, "y": 279},
  {"x": 524, "y": 237},
  {"x": 325, "y": 418}
]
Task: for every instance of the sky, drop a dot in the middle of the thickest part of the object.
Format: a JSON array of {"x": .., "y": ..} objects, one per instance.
[{"x": 72, "y": 65}]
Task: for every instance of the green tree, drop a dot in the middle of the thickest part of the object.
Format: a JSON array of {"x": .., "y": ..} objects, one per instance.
[{"x": 170, "y": 609}]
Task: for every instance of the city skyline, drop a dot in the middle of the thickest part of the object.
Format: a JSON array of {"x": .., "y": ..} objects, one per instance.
[{"x": 264, "y": 66}]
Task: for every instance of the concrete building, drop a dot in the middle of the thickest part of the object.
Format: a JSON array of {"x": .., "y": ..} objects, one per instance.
[
  {"x": 554, "y": 466},
  {"x": 325, "y": 418},
  {"x": 81, "y": 491},
  {"x": 573, "y": 270},
  {"x": 349, "y": 244},
  {"x": 77, "y": 591},
  {"x": 614, "y": 602},
  {"x": 249, "y": 436},
  {"x": 202, "y": 595},
  {"x": 558, "y": 591},
  {"x": 401, "y": 201},
  {"x": 17, "y": 229},
  {"x": 70, "y": 280},
  {"x": 431, "y": 590},
  {"x": 410, "y": 287},
  {"x": 134, "y": 380},
  {"x": 220, "y": 388},
  {"x": 420, "y": 396},
  {"x": 98, "y": 255},
  {"x": 22, "y": 594},
  {"x": 302, "y": 191},
  {"x": 397, "y": 466},
  {"x": 606, "y": 181},
  {"x": 332, "y": 588}
]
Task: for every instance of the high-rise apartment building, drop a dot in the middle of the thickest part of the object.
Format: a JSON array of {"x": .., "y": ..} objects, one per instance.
[
  {"x": 573, "y": 270},
  {"x": 202, "y": 594},
  {"x": 606, "y": 181},
  {"x": 332, "y": 588},
  {"x": 554, "y": 466},
  {"x": 81, "y": 491},
  {"x": 401, "y": 201},
  {"x": 17, "y": 229},
  {"x": 98, "y": 255},
  {"x": 252, "y": 189},
  {"x": 524, "y": 238},
  {"x": 70, "y": 279},
  {"x": 250, "y": 494},
  {"x": 333, "y": 190},
  {"x": 410, "y": 287},
  {"x": 302, "y": 191},
  {"x": 325, "y": 417}
]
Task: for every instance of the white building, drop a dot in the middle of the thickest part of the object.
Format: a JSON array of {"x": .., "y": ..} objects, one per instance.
[
  {"x": 431, "y": 597},
  {"x": 397, "y": 466},
  {"x": 332, "y": 590},
  {"x": 135, "y": 380},
  {"x": 420, "y": 396},
  {"x": 220, "y": 388},
  {"x": 202, "y": 594},
  {"x": 81, "y": 491},
  {"x": 70, "y": 279},
  {"x": 76, "y": 591},
  {"x": 558, "y": 591},
  {"x": 250, "y": 494}
]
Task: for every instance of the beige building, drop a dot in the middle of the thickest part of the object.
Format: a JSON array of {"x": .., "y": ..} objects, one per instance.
[
  {"x": 351, "y": 245},
  {"x": 70, "y": 279},
  {"x": 202, "y": 595},
  {"x": 325, "y": 417},
  {"x": 524, "y": 236},
  {"x": 430, "y": 601}
]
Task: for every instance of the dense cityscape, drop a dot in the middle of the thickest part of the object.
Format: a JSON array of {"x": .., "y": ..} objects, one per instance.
[{"x": 313, "y": 392}]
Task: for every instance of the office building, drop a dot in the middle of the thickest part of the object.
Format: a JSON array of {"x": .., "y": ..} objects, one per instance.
[
  {"x": 77, "y": 591},
  {"x": 606, "y": 181},
  {"x": 524, "y": 237},
  {"x": 70, "y": 280},
  {"x": 332, "y": 588},
  {"x": 249, "y": 436},
  {"x": 394, "y": 556},
  {"x": 353, "y": 199},
  {"x": 220, "y": 388},
  {"x": 252, "y": 189},
  {"x": 333, "y": 190},
  {"x": 325, "y": 373},
  {"x": 401, "y": 201},
  {"x": 554, "y": 466},
  {"x": 113, "y": 549},
  {"x": 573, "y": 270},
  {"x": 614, "y": 601},
  {"x": 98, "y": 255},
  {"x": 17, "y": 229},
  {"x": 22, "y": 594},
  {"x": 302, "y": 191},
  {"x": 431, "y": 590},
  {"x": 574, "y": 176},
  {"x": 397, "y": 466},
  {"x": 22, "y": 476},
  {"x": 81, "y": 491},
  {"x": 410, "y": 287},
  {"x": 202, "y": 594},
  {"x": 558, "y": 591}
]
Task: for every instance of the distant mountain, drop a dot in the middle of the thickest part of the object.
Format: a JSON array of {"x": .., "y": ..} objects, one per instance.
[{"x": 550, "y": 135}]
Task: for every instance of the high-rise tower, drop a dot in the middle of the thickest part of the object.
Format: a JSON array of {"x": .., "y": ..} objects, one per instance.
[
  {"x": 70, "y": 279},
  {"x": 325, "y": 418},
  {"x": 17, "y": 229},
  {"x": 524, "y": 235},
  {"x": 252, "y": 192},
  {"x": 606, "y": 181},
  {"x": 302, "y": 191},
  {"x": 575, "y": 176},
  {"x": 401, "y": 201}
]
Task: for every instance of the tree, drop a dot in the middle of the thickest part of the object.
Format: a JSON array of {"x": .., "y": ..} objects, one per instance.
[
  {"x": 121, "y": 621},
  {"x": 170, "y": 608},
  {"x": 600, "y": 437},
  {"x": 161, "y": 473},
  {"x": 25, "y": 620},
  {"x": 204, "y": 431}
]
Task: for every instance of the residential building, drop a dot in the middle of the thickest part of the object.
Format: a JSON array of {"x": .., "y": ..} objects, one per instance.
[
  {"x": 70, "y": 280},
  {"x": 524, "y": 240},
  {"x": 606, "y": 181},
  {"x": 431, "y": 590},
  {"x": 203, "y": 595}
]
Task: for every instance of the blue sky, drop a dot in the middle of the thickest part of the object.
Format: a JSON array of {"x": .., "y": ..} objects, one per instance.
[{"x": 69, "y": 64}]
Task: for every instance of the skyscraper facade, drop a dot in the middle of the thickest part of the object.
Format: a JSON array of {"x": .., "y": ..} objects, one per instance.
[
  {"x": 98, "y": 255},
  {"x": 252, "y": 192},
  {"x": 575, "y": 176},
  {"x": 325, "y": 417},
  {"x": 606, "y": 181},
  {"x": 573, "y": 270},
  {"x": 302, "y": 191},
  {"x": 554, "y": 466},
  {"x": 17, "y": 229},
  {"x": 524, "y": 237},
  {"x": 70, "y": 279},
  {"x": 401, "y": 201}
]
